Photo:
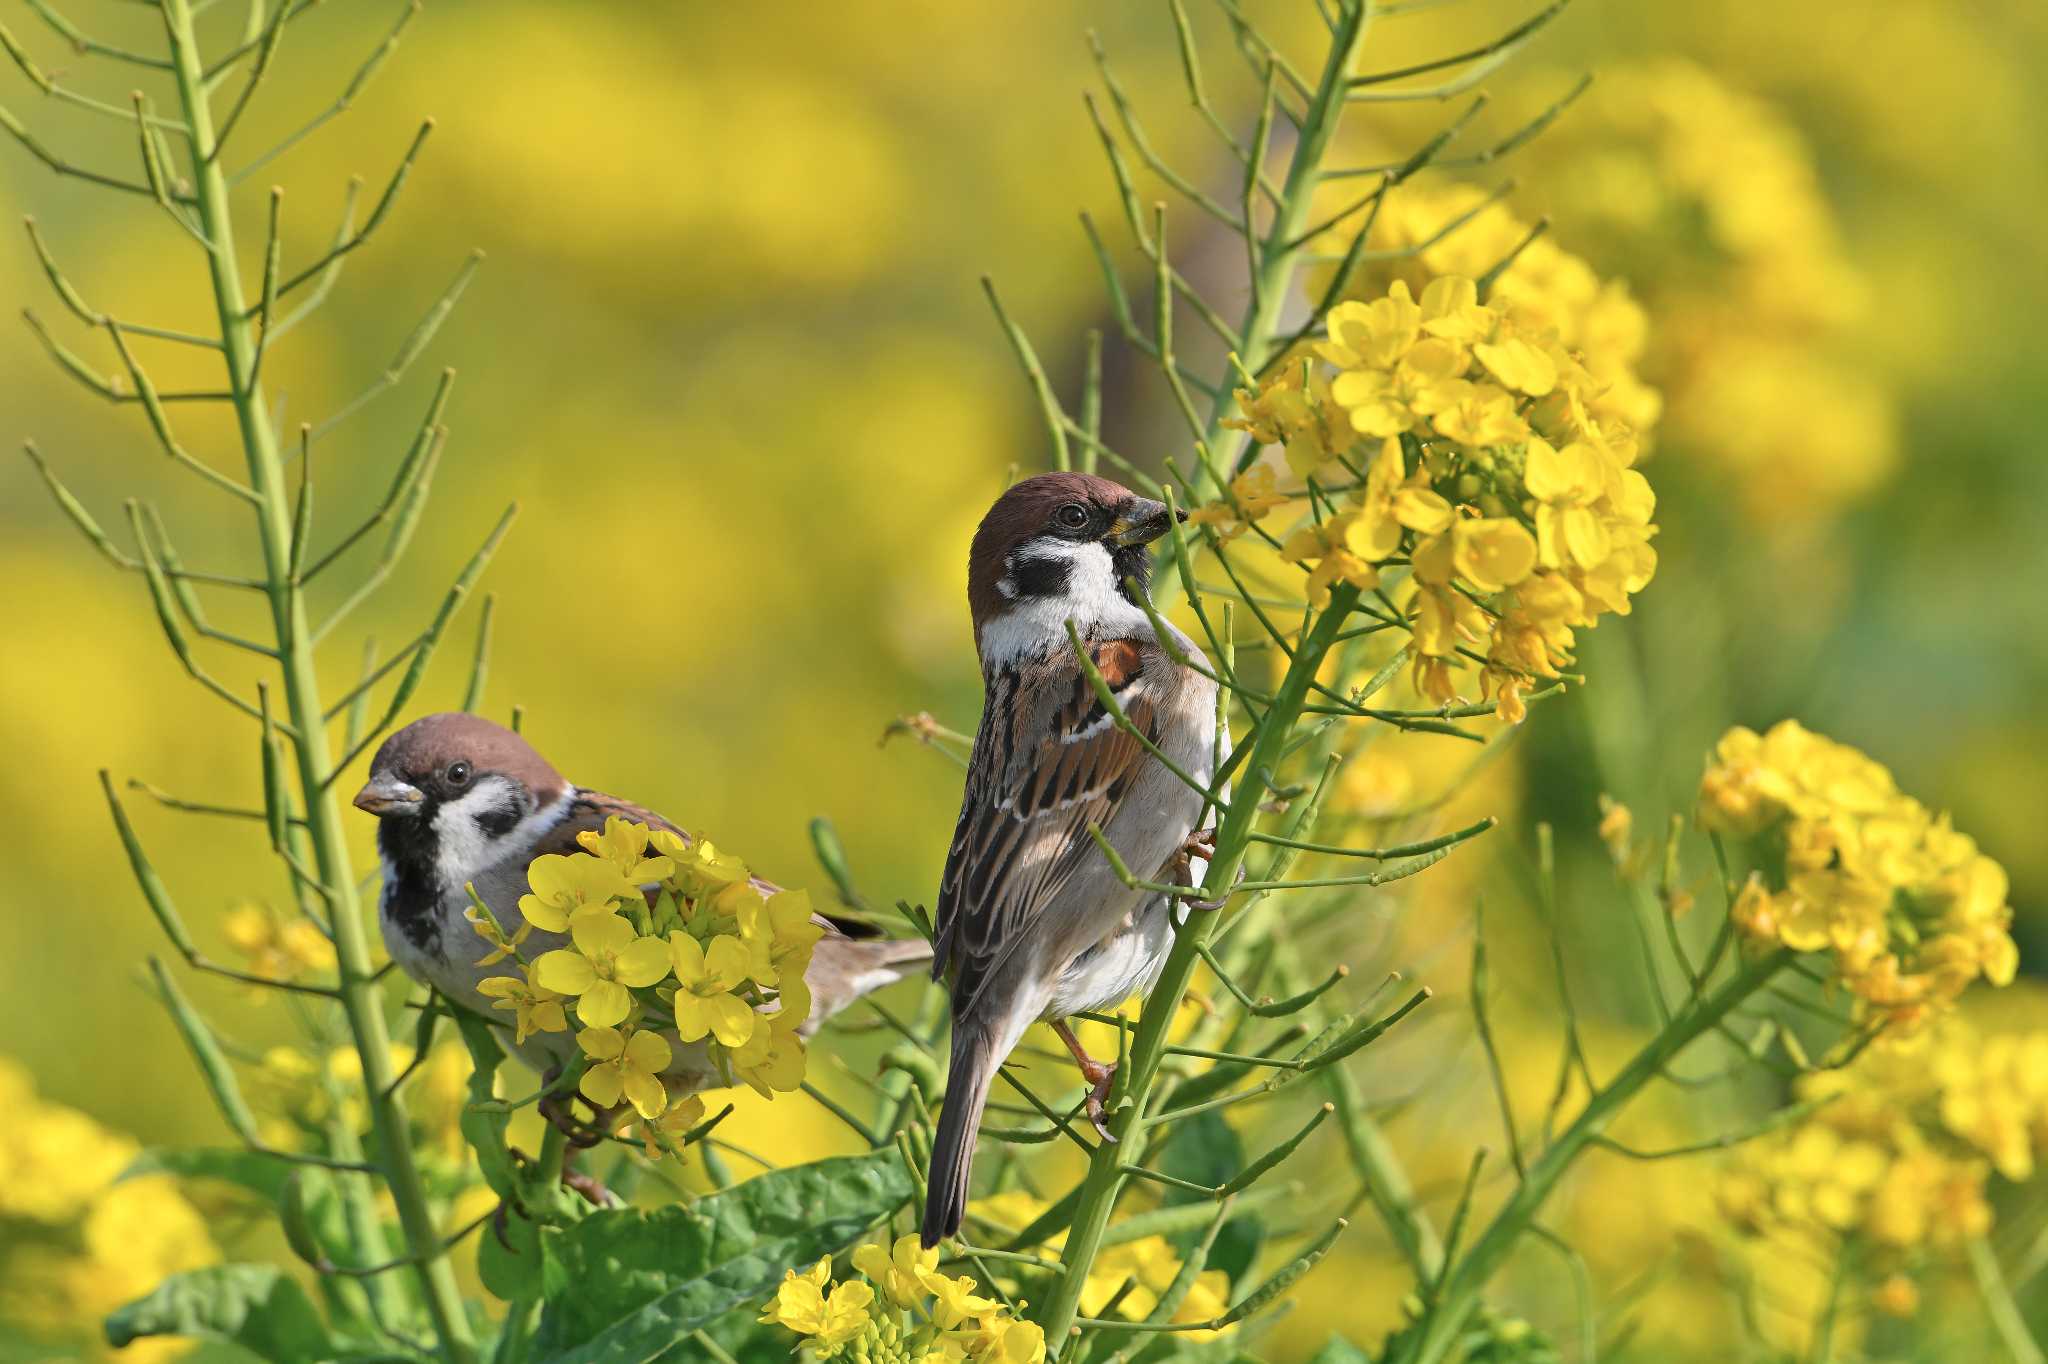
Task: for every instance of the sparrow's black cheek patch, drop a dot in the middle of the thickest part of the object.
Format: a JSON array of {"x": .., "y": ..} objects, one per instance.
[
  {"x": 499, "y": 820},
  {"x": 1040, "y": 576}
]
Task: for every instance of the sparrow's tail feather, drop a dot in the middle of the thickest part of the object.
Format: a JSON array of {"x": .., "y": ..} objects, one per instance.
[
  {"x": 843, "y": 969},
  {"x": 969, "y": 1075}
]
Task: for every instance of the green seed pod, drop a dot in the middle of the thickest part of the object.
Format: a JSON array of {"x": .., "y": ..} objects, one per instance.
[{"x": 295, "y": 1216}]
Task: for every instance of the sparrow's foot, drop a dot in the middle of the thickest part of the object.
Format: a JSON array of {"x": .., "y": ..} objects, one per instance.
[
  {"x": 556, "y": 1108},
  {"x": 1100, "y": 1075},
  {"x": 1180, "y": 867}
]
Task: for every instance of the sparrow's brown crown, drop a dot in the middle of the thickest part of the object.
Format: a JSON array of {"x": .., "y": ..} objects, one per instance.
[{"x": 439, "y": 754}]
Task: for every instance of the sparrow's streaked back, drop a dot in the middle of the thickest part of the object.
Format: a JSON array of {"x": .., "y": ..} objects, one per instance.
[{"x": 1033, "y": 922}]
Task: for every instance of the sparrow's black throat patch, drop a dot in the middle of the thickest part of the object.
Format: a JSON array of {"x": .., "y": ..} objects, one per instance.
[
  {"x": 1132, "y": 563},
  {"x": 412, "y": 865}
]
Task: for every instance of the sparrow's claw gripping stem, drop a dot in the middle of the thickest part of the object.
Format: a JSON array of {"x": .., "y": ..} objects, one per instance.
[
  {"x": 555, "y": 1108},
  {"x": 1100, "y": 1075},
  {"x": 1201, "y": 843}
]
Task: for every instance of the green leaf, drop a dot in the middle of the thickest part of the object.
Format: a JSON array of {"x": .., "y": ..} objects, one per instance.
[
  {"x": 255, "y": 1306},
  {"x": 511, "y": 1264},
  {"x": 1338, "y": 1350},
  {"x": 1206, "y": 1150},
  {"x": 633, "y": 1282}
]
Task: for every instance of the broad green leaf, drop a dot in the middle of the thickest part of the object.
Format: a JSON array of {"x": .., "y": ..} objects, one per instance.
[
  {"x": 633, "y": 1282},
  {"x": 255, "y": 1306},
  {"x": 1207, "y": 1150},
  {"x": 1337, "y": 1350}
]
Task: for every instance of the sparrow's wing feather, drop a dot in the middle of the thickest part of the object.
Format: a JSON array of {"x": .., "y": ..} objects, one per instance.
[
  {"x": 588, "y": 810},
  {"x": 1049, "y": 761}
]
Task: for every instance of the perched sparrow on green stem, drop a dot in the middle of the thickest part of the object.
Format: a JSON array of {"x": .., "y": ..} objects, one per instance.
[
  {"x": 1033, "y": 921},
  {"x": 459, "y": 801}
]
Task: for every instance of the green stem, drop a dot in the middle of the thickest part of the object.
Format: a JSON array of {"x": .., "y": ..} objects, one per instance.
[
  {"x": 1458, "y": 1291},
  {"x": 1280, "y": 251},
  {"x": 1106, "y": 1172},
  {"x": 2004, "y": 1311},
  {"x": 359, "y": 996}
]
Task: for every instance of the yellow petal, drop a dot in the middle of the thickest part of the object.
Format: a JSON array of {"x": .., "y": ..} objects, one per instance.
[
  {"x": 649, "y": 1051},
  {"x": 732, "y": 1022},
  {"x": 604, "y": 1004},
  {"x": 564, "y": 972},
  {"x": 600, "y": 933},
  {"x": 602, "y": 1085},
  {"x": 643, "y": 963}
]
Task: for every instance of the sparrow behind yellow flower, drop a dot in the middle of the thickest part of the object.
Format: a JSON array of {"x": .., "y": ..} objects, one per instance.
[{"x": 461, "y": 801}]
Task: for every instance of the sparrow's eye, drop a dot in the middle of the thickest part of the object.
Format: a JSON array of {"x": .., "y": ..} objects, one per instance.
[
  {"x": 1072, "y": 516},
  {"x": 458, "y": 774}
]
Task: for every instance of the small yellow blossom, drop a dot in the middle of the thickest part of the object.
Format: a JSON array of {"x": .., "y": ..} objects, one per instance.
[
  {"x": 699, "y": 867},
  {"x": 274, "y": 948},
  {"x": 954, "y": 1300},
  {"x": 705, "y": 980},
  {"x": 778, "y": 933},
  {"x": 566, "y": 885},
  {"x": 628, "y": 1064},
  {"x": 1252, "y": 494},
  {"x": 534, "y": 1009},
  {"x": 899, "y": 1272},
  {"x": 501, "y": 946},
  {"x": 623, "y": 843},
  {"x": 802, "y": 1305},
  {"x": 609, "y": 961},
  {"x": 672, "y": 1126},
  {"x": 772, "y": 1057}
]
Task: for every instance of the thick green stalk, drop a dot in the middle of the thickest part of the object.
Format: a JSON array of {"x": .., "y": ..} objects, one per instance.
[
  {"x": 359, "y": 996},
  {"x": 1455, "y": 1297},
  {"x": 1105, "y": 1178}
]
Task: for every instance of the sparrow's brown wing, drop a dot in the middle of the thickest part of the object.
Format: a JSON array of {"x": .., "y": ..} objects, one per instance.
[
  {"x": 588, "y": 810},
  {"x": 1049, "y": 761}
]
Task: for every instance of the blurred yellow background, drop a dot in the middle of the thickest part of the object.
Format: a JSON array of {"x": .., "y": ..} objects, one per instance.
[{"x": 730, "y": 353}]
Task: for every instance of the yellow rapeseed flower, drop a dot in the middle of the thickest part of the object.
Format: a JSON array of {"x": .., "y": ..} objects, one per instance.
[
  {"x": 534, "y": 1009},
  {"x": 609, "y": 961},
  {"x": 628, "y": 1064},
  {"x": 566, "y": 885},
  {"x": 623, "y": 843},
  {"x": 706, "y": 977},
  {"x": 802, "y": 1305},
  {"x": 899, "y": 1271}
]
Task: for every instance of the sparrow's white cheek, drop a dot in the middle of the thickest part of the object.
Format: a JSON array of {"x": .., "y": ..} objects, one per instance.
[
  {"x": 1035, "y": 624},
  {"x": 463, "y": 843}
]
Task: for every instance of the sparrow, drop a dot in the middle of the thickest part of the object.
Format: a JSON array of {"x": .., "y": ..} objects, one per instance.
[
  {"x": 462, "y": 801},
  {"x": 1033, "y": 922}
]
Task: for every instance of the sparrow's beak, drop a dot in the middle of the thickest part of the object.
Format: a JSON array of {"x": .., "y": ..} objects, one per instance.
[
  {"x": 384, "y": 795},
  {"x": 1141, "y": 522}
]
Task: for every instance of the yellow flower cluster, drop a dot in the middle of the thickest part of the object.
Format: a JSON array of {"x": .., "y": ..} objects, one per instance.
[
  {"x": 1708, "y": 198},
  {"x": 901, "y": 1310},
  {"x": 1148, "y": 1263},
  {"x": 274, "y": 947},
  {"x": 720, "y": 960},
  {"x": 1910, "y": 910},
  {"x": 76, "y": 1241},
  {"x": 1470, "y": 441},
  {"x": 1904, "y": 1143}
]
